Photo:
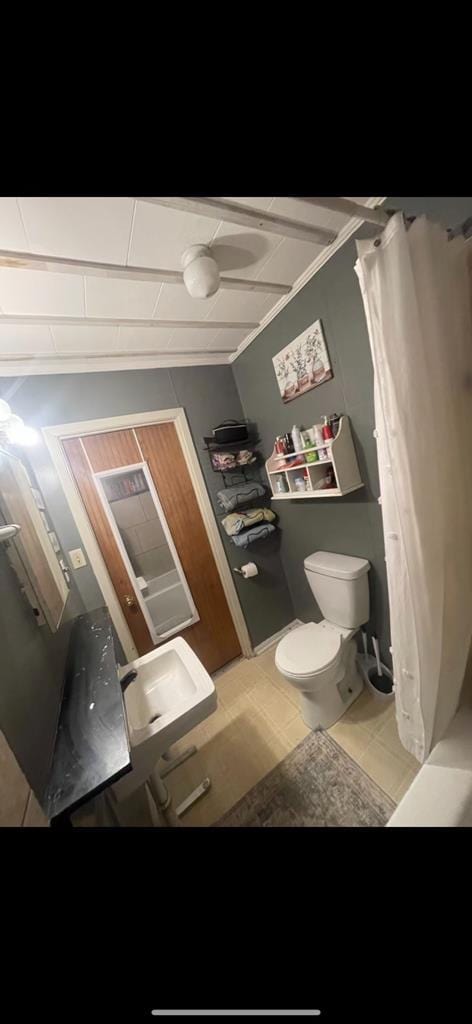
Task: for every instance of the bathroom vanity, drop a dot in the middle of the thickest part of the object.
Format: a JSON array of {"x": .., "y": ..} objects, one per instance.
[{"x": 92, "y": 749}]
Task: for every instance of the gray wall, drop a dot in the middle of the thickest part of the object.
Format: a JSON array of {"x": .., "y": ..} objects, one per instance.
[
  {"x": 208, "y": 394},
  {"x": 32, "y": 673},
  {"x": 351, "y": 525}
]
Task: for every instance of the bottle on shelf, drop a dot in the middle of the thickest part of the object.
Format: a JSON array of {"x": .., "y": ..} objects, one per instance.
[
  {"x": 281, "y": 485},
  {"x": 334, "y": 422},
  {"x": 297, "y": 439},
  {"x": 326, "y": 430},
  {"x": 288, "y": 444},
  {"x": 318, "y": 433}
]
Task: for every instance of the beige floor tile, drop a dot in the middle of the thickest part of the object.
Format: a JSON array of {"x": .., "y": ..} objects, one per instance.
[
  {"x": 387, "y": 770},
  {"x": 369, "y": 712},
  {"x": 274, "y": 705},
  {"x": 34, "y": 816},
  {"x": 295, "y": 731},
  {"x": 388, "y": 736},
  {"x": 405, "y": 784},
  {"x": 353, "y": 738}
]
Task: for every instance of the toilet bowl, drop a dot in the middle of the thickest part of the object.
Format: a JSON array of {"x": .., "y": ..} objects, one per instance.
[{"x": 319, "y": 658}]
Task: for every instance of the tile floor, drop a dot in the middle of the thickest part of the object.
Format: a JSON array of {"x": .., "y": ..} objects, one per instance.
[{"x": 257, "y": 723}]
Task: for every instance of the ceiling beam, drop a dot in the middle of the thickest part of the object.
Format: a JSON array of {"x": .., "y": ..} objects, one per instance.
[
  {"x": 109, "y": 321},
  {"x": 247, "y": 216},
  {"x": 341, "y": 205},
  {"x": 88, "y": 268}
]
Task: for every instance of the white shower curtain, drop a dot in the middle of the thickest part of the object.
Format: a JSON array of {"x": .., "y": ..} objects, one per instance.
[{"x": 416, "y": 290}]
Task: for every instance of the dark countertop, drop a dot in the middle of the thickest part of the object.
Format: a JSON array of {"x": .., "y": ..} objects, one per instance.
[{"x": 92, "y": 747}]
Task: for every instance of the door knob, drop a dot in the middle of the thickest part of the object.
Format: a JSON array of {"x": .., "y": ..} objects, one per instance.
[{"x": 130, "y": 602}]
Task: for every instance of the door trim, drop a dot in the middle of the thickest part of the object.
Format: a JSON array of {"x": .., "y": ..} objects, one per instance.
[{"x": 54, "y": 435}]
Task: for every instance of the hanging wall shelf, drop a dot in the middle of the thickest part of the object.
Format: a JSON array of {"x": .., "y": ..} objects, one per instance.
[{"x": 342, "y": 461}]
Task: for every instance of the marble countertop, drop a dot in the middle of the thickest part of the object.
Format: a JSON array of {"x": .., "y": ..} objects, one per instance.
[{"x": 92, "y": 748}]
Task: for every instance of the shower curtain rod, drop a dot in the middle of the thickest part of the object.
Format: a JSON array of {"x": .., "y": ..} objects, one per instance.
[{"x": 375, "y": 215}]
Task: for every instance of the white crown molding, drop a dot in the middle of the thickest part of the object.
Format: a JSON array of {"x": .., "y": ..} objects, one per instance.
[
  {"x": 94, "y": 364},
  {"x": 352, "y": 225}
]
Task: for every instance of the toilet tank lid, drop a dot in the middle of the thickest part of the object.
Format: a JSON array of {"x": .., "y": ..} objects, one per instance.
[{"x": 341, "y": 567}]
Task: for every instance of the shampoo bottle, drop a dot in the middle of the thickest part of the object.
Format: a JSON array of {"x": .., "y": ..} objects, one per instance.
[{"x": 297, "y": 439}]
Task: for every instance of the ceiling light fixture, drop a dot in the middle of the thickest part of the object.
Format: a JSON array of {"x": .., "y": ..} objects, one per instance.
[
  {"x": 13, "y": 430},
  {"x": 201, "y": 273}
]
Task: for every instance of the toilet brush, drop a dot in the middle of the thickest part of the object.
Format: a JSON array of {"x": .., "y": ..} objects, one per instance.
[{"x": 375, "y": 645}]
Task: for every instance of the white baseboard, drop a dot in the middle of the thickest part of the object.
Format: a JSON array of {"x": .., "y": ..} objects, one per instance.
[{"x": 271, "y": 640}]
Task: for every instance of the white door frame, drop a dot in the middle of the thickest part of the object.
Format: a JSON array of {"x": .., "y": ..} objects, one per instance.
[{"x": 53, "y": 436}]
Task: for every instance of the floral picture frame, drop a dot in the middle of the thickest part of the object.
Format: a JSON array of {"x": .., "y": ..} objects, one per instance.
[{"x": 303, "y": 364}]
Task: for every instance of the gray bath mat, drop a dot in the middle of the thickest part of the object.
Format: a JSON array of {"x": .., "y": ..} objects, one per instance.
[{"x": 316, "y": 785}]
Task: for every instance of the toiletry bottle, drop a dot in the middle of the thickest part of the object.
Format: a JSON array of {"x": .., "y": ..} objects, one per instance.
[
  {"x": 334, "y": 423},
  {"x": 288, "y": 444},
  {"x": 281, "y": 484},
  {"x": 327, "y": 432},
  {"x": 318, "y": 433},
  {"x": 299, "y": 483},
  {"x": 297, "y": 439}
]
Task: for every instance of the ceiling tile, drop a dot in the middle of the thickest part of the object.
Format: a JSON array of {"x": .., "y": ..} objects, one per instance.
[
  {"x": 226, "y": 340},
  {"x": 188, "y": 339},
  {"x": 105, "y": 296},
  {"x": 242, "y": 252},
  {"x": 12, "y": 234},
  {"x": 34, "y": 292},
  {"x": 242, "y": 306},
  {"x": 175, "y": 303},
  {"x": 16, "y": 339},
  {"x": 144, "y": 339},
  {"x": 84, "y": 338},
  {"x": 289, "y": 261},
  {"x": 80, "y": 227},
  {"x": 161, "y": 235}
]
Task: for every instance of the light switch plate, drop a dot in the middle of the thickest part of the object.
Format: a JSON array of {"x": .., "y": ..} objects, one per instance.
[{"x": 77, "y": 558}]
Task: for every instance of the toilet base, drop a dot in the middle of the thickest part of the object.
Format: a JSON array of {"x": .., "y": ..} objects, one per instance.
[{"x": 321, "y": 710}]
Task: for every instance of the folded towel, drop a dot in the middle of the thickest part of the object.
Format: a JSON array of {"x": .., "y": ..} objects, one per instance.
[
  {"x": 237, "y": 521},
  {"x": 239, "y": 494},
  {"x": 242, "y": 540}
]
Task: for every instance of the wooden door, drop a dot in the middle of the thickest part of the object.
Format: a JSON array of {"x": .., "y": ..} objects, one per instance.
[{"x": 213, "y": 637}]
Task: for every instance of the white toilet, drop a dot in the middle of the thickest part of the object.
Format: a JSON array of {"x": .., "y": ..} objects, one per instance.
[{"x": 319, "y": 658}]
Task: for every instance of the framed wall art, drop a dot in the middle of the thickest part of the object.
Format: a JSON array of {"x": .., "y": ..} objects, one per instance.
[{"x": 303, "y": 364}]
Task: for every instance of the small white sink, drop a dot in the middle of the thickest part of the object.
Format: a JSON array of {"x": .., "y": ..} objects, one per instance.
[{"x": 172, "y": 693}]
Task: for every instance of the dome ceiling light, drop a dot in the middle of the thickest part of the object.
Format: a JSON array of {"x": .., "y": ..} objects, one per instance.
[{"x": 201, "y": 273}]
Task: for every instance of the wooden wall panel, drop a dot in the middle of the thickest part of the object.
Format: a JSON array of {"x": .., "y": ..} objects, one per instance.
[{"x": 111, "y": 450}]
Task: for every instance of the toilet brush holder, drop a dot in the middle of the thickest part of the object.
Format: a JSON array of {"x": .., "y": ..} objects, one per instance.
[{"x": 380, "y": 686}]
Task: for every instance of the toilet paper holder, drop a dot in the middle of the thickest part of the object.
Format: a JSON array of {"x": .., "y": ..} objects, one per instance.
[{"x": 247, "y": 571}]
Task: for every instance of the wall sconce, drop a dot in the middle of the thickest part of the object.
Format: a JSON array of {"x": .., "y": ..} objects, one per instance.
[{"x": 13, "y": 430}]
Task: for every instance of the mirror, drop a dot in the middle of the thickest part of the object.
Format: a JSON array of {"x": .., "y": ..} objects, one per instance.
[{"x": 147, "y": 548}]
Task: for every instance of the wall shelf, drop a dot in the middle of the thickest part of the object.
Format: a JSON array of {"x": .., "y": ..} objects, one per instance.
[{"x": 342, "y": 462}]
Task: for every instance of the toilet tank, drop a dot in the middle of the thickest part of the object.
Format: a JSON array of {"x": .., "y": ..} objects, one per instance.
[{"x": 339, "y": 584}]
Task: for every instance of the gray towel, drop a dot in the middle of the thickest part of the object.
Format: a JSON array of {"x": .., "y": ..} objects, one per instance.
[
  {"x": 242, "y": 540},
  {"x": 240, "y": 494}
]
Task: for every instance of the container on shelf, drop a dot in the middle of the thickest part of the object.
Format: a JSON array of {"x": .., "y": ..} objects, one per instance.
[
  {"x": 334, "y": 420},
  {"x": 281, "y": 485},
  {"x": 297, "y": 439},
  {"x": 318, "y": 433},
  {"x": 334, "y": 475}
]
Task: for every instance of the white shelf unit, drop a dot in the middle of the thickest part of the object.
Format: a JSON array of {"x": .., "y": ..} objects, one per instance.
[{"x": 342, "y": 458}]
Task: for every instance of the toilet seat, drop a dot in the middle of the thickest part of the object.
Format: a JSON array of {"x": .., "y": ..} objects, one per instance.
[{"x": 309, "y": 650}]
